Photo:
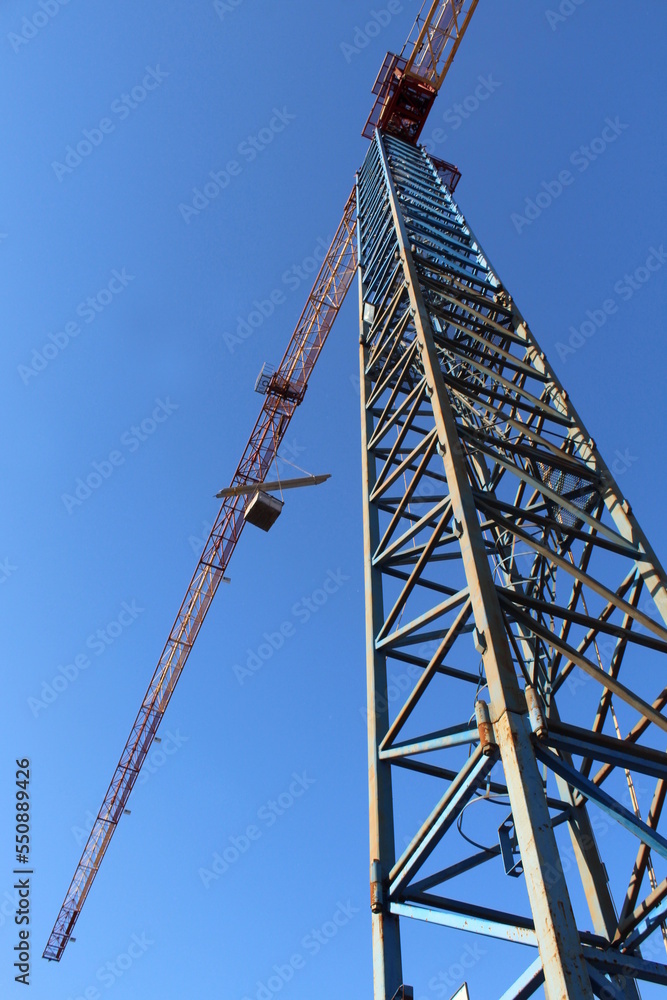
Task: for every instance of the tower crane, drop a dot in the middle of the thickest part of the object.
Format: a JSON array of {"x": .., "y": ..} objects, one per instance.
[{"x": 501, "y": 560}]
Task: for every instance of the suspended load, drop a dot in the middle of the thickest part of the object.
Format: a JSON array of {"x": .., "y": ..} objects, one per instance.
[{"x": 263, "y": 510}]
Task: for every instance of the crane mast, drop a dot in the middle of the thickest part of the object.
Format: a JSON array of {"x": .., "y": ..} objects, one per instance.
[
  {"x": 490, "y": 520},
  {"x": 502, "y": 564}
]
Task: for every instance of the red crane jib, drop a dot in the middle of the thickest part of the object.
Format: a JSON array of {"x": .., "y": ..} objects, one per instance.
[{"x": 285, "y": 391}]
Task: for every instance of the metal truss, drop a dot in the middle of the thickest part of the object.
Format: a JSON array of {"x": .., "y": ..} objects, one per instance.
[
  {"x": 284, "y": 389},
  {"x": 408, "y": 84},
  {"x": 435, "y": 38},
  {"x": 508, "y": 578}
]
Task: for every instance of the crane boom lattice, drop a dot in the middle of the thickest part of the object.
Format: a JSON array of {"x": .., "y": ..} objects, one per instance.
[{"x": 284, "y": 392}]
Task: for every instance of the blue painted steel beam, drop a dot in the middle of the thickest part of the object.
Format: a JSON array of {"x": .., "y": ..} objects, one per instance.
[
  {"x": 406, "y": 632},
  {"x": 452, "y": 737},
  {"x": 445, "y": 813},
  {"x": 527, "y": 983},
  {"x": 466, "y": 922},
  {"x": 604, "y": 988},
  {"x": 643, "y": 930},
  {"x": 598, "y": 746},
  {"x": 620, "y": 964},
  {"x": 387, "y": 967},
  {"x": 605, "y": 802},
  {"x": 457, "y": 869}
]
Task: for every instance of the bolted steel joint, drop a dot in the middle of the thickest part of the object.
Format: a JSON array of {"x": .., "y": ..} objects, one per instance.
[
  {"x": 377, "y": 892},
  {"x": 485, "y": 728}
]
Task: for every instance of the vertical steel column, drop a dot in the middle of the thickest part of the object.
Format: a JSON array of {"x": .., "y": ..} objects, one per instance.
[{"x": 387, "y": 975}]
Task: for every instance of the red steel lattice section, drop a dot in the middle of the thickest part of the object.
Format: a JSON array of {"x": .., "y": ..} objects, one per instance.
[{"x": 285, "y": 391}]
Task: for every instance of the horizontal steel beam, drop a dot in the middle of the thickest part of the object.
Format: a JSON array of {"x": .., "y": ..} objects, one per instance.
[
  {"x": 466, "y": 922},
  {"x": 452, "y": 737},
  {"x": 599, "y": 746},
  {"x": 620, "y": 964}
]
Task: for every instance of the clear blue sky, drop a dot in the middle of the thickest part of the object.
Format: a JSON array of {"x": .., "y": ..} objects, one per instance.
[{"x": 139, "y": 301}]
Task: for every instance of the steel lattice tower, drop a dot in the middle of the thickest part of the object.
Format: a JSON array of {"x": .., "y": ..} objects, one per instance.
[
  {"x": 507, "y": 571},
  {"x": 506, "y": 579}
]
